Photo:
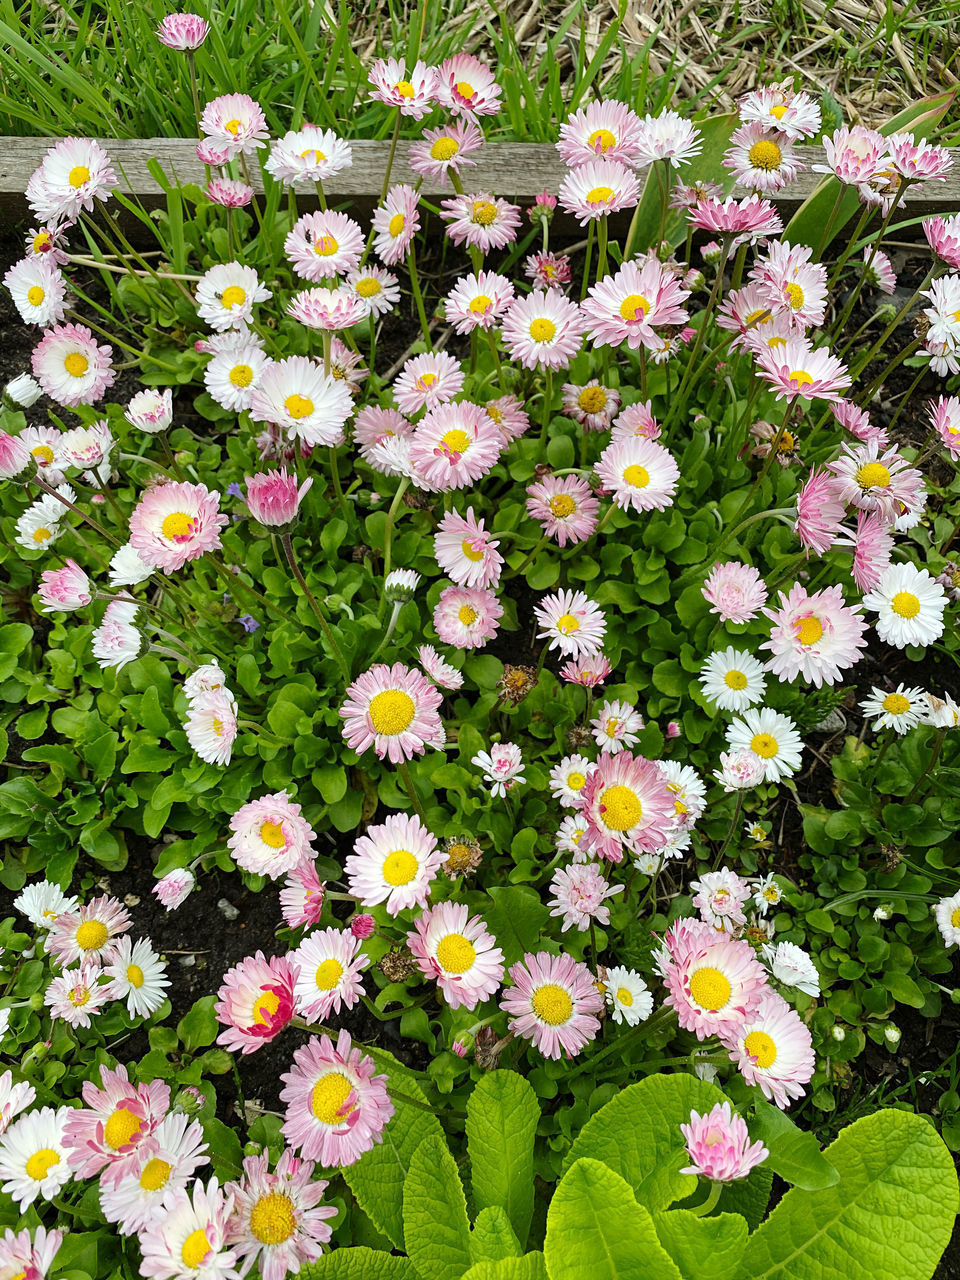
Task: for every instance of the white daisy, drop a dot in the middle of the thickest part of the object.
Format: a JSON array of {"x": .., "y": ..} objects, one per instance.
[
  {"x": 127, "y": 569},
  {"x": 733, "y": 679},
  {"x": 909, "y": 604},
  {"x": 900, "y": 710},
  {"x": 226, "y": 295},
  {"x": 567, "y": 779},
  {"x": 231, "y": 376},
  {"x": 160, "y": 1165},
  {"x": 568, "y": 836},
  {"x": 616, "y": 726},
  {"x": 687, "y": 788},
  {"x": 627, "y": 996},
  {"x": 947, "y": 912},
  {"x": 792, "y": 966},
  {"x": 771, "y": 737},
  {"x": 33, "y": 1159},
  {"x": 767, "y": 894},
  {"x": 42, "y": 901},
  {"x": 35, "y": 529},
  {"x": 940, "y": 713},
  {"x": 138, "y": 976}
]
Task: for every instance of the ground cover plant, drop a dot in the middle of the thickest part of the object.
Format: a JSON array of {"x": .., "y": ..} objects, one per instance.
[{"x": 551, "y": 637}]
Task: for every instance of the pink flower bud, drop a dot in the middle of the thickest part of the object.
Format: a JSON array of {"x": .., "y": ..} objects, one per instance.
[
  {"x": 719, "y": 1145},
  {"x": 175, "y": 887},
  {"x": 459, "y": 1047},
  {"x": 207, "y": 153},
  {"x": 273, "y": 497},
  {"x": 15, "y": 457},
  {"x": 229, "y": 192},
  {"x": 673, "y": 729},
  {"x": 183, "y": 31},
  {"x": 362, "y": 926},
  {"x": 151, "y": 410},
  {"x": 63, "y": 590}
]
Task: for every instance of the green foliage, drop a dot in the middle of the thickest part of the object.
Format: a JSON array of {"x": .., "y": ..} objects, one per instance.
[{"x": 502, "y": 1116}]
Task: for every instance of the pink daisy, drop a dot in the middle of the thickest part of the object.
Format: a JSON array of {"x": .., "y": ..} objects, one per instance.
[
  {"x": 747, "y": 220},
  {"x": 445, "y": 150},
  {"x": 467, "y": 86},
  {"x": 719, "y": 896},
  {"x": 875, "y": 480},
  {"x": 587, "y": 672},
  {"x": 668, "y": 136},
  {"x": 943, "y": 237},
  {"x": 508, "y": 415},
  {"x": 183, "y": 31},
  {"x": 788, "y": 281},
  {"x": 571, "y": 622},
  {"x": 426, "y": 381},
  {"x": 413, "y": 95},
  {"x": 453, "y": 446},
  {"x": 627, "y": 306},
  {"x": 394, "y": 863},
  {"x": 478, "y": 301},
  {"x": 27, "y": 1253},
  {"x": 565, "y": 507},
  {"x": 211, "y": 726},
  {"x": 230, "y": 193},
  {"x": 593, "y": 406},
  {"x": 63, "y": 590},
  {"x": 635, "y": 420},
  {"x": 102, "y": 1136},
  {"x": 466, "y": 552},
  {"x": 70, "y": 367},
  {"x": 547, "y": 270},
  {"x": 854, "y": 155},
  {"x": 377, "y": 290},
  {"x": 607, "y": 129},
  {"x": 395, "y": 711},
  {"x": 857, "y": 422},
  {"x": 718, "y": 1143},
  {"x": 945, "y": 418},
  {"x": 188, "y": 1238},
  {"x": 578, "y": 896},
  {"x": 553, "y": 1002},
  {"x": 458, "y": 952},
  {"x": 714, "y": 982},
  {"x": 301, "y": 898},
  {"x": 814, "y": 635},
  {"x": 323, "y": 244},
  {"x": 773, "y": 1048},
  {"x": 234, "y": 124},
  {"x": 543, "y": 330},
  {"x": 269, "y": 837},
  {"x": 820, "y": 513},
  {"x": 72, "y": 175},
  {"x": 918, "y": 160},
  {"x": 309, "y": 155},
  {"x": 328, "y": 309},
  {"x": 762, "y": 158},
  {"x": 328, "y": 965},
  {"x": 501, "y": 766},
  {"x": 796, "y": 114},
  {"x": 173, "y": 889},
  {"x": 481, "y": 220},
  {"x": 273, "y": 497},
  {"x": 442, "y": 673},
  {"x": 174, "y": 523},
  {"x": 641, "y": 473},
  {"x": 373, "y": 426},
  {"x": 278, "y": 1222},
  {"x": 872, "y": 547},
  {"x": 794, "y": 369},
  {"x": 395, "y": 223},
  {"x": 77, "y": 994},
  {"x": 879, "y": 272},
  {"x": 627, "y": 806},
  {"x": 255, "y": 1002},
  {"x": 337, "y": 1107},
  {"x": 467, "y": 617},
  {"x": 617, "y": 725},
  {"x": 88, "y": 933},
  {"x": 598, "y": 188}
]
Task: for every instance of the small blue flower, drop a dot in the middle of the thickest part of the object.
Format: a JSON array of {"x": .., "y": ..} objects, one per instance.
[{"x": 248, "y": 622}]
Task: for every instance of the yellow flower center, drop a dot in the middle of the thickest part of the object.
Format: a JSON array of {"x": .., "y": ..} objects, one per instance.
[
  {"x": 567, "y": 624},
  {"x": 467, "y": 615},
  {"x": 122, "y": 1127},
  {"x": 457, "y": 441},
  {"x": 41, "y": 241},
  {"x": 562, "y": 505},
  {"x": 542, "y": 329},
  {"x": 178, "y": 524},
  {"x": 41, "y": 535},
  {"x": 762, "y": 315},
  {"x": 480, "y": 305},
  {"x": 396, "y": 224},
  {"x": 298, "y": 406},
  {"x": 787, "y": 442},
  {"x": 759, "y": 1046},
  {"x": 91, "y": 935},
  {"x": 710, "y": 989},
  {"x": 404, "y": 88},
  {"x": 368, "y": 288},
  {"x": 155, "y": 1174},
  {"x": 612, "y": 725},
  {"x": 40, "y": 1163},
  {"x": 196, "y": 1249},
  {"x": 779, "y": 111},
  {"x": 873, "y": 475},
  {"x": 318, "y": 156},
  {"x": 76, "y": 364},
  {"x": 624, "y": 996},
  {"x": 329, "y": 1096},
  {"x": 955, "y": 919},
  {"x": 465, "y": 89},
  {"x": 636, "y": 476},
  {"x": 444, "y": 149},
  {"x": 809, "y": 630},
  {"x": 799, "y": 377},
  {"x": 264, "y": 1007},
  {"x": 552, "y": 1004},
  {"x": 794, "y": 296},
  {"x": 764, "y": 745},
  {"x": 735, "y": 680},
  {"x": 217, "y": 726},
  {"x": 621, "y": 808},
  {"x": 79, "y": 996},
  {"x": 634, "y": 307},
  {"x": 233, "y": 296},
  {"x": 400, "y": 867},
  {"x": 328, "y": 974},
  {"x": 241, "y": 375},
  {"x": 599, "y": 195},
  {"x": 273, "y": 1219},
  {"x": 470, "y": 551},
  {"x": 392, "y": 711},
  {"x": 78, "y": 175},
  {"x": 896, "y": 704},
  {"x": 592, "y": 399},
  {"x": 765, "y": 155},
  {"x": 271, "y": 833},
  {"x": 43, "y": 454},
  {"x": 494, "y": 412},
  {"x": 35, "y": 295},
  {"x": 575, "y": 781},
  {"x": 905, "y": 604},
  {"x": 602, "y": 136},
  {"x": 135, "y": 976},
  {"x": 455, "y": 953},
  {"x": 326, "y": 246},
  {"x": 483, "y": 213}
]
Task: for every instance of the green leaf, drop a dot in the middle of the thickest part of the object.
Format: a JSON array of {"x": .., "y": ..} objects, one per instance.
[
  {"x": 794, "y": 1153},
  {"x": 502, "y": 1118},
  {"x": 903, "y": 988},
  {"x": 436, "y": 1230},
  {"x": 516, "y": 919},
  {"x": 198, "y": 1028},
  {"x": 703, "y": 1248},
  {"x": 492, "y": 1237},
  {"x": 530, "y": 1267},
  {"x": 750, "y": 1196},
  {"x": 359, "y": 1264},
  {"x": 888, "y": 1218},
  {"x": 596, "y": 1228},
  {"x": 638, "y": 1135}
]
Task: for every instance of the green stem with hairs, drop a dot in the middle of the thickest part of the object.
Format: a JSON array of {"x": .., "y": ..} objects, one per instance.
[
  {"x": 287, "y": 544},
  {"x": 418, "y": 296},
  {"x": 403, "y": 769}
]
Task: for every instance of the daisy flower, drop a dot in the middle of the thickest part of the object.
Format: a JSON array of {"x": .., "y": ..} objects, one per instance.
[
  {"x": 917, "y": 159},
  {"x": 445, "y": 150},
  {"x": 790, "y": 965},
  {"x": 502, "y": 767},
  {"x": 543, "y": 330},
  {"x": 481, "y": 220},
  {"x": 255, "y": 1002},
  {"x": 28, "y": 1253},
  {"x": 553, "y": 1003},
  {"x": 150, "y": 410},
  {"x": 732, "y": 679},
  {"x": 458, "y": 952},
  {"x": 453, "y": 446},
  {"x": 76, "y": 995},
  {"x": 323, "y": 244},
  {"x": 771, "y": 737},
  {"x": 439, "y": 671},
  {"x": 627, "y": 996},
  {"x": 642, "y": 474},
  {"x": 507, "y": 414},
  {"x": 160, "y": 1165},
  {"x": 943, "y": 237},
  {"x": 277, "y": 1221},
  {"x": 337, "y": 1107},
  {"x": 713, "y": 982},
  {"x": 767, "y": 894},
  {"x": 617, "y": 725},
  {"x": 86, "y": 449},
  {"x": 42, "y": 442},
  {"x": 872, "y": 544},
  {"x": 188, "y": 1240},
  {"x": 567, "y": 780},
  {"x": 687, "y": 789},
  {"x": 117, "y": 640},
  {"x": 295, "y": 395},
  {"x": 569, "y": 834},
  {"x": 395, "y": 711},
  {"x": 740, "y": 770},
  {"x": 467, "y": 87},
  {"x": 395, "y": 863},
  {"x": 327, "y": 309},
  {"x": 226, "y": 295},
  {"x": 719, "y": 897},
  {"x": 138, "y": 976},
  {"x": 879, "y": 273},
  {"x": 587, "y": 672},
  {"x": 788, "y": 281},
  {"x": 598, "y": 188},
  {"x": 70, "y": 367},
  {"x": 854, "y": 155},
  {"x": 668, "y": 136},
  {"x": 592, "y": 406},
  {"x": 578, "y": 896},
  {"x": 627, "y": 806},
  {"x": 795, "y": 114},
  {"x": 72, "y": 175},
  {"x": 269, "y": 836},
  {"x": 117, "y": 1117},
  {"x": 547, "y": 270},
  {"x": 909, "y": 604},
  {"x": 607, "y": 129},
  {"x": 857, "y": 422},
  {"x": 628, "y": 306},
  {"x": 303, "y": 157},
  {"x": 478, "y": 301},
  {"x": 940, "y": 713},
  {"x": 426, "y": 381},
  {"x": 42, "y": 901},
  {"x": 174, "y": 523},
  {"x": 328, "y": 965},
  {"x": 48, "y": 242},
  {"x": 820, "y": 513},
  {"x": 466, "y": 551},
  {"x": 795, "y": 369},
  {"x": 90, "y": 932},
  {"x": 377, "y": 290},
  {"x": 467, "y": 617},
  {"x": 762, "y": 158},
  {"x": 773, "y": 1048},
  {"x": 234, "y": 123},
  {"x": 229, "y": 193},
  {"x": 273, "y": 498},
  {"x": 373, "y": 427},
  {"x": 63, "y": 590},
  {"x": 719, "y": 1145},
  {"x": 746, "y": 220},
  {"x": 814, "y": 635},
  {"x": 395, "y": 223},
  {"x": 876, "y": 479},
  {"x": 413, "y": 96},
  {"x": 565, "y": 507},
  {"x": 301, "y": 898},
  {"x": 33, "y": 1158},
  {"x": 571, "y": 622},
  {"x": 37, "y": 289},
  {"x": 947, "y": 914}
]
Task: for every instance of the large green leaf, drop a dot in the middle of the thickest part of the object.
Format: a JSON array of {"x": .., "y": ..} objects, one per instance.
[
  {"x": 596, "y": 1229},
  {"x": 436, "y": 1230},
  {"x": 703, "y": 1248},
  {"x": 530, "y": 1267},
  {"x": 888, "y": 1218},
  {"x": 793, "y": 1153},
  {"x": 493, "y": 1238},
  {"x": 516, "y": 919},
  {"x": 502, "y": 1118},
  {"x": 638, "y": 1134},
  {"x": 750, "y": 1196},
  {"x": 359, "y": 1264}
]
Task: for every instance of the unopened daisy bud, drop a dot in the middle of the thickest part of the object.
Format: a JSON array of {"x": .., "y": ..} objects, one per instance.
[
  {"x": 460, "y": 1047},
  {"x": 36, "y": 1053},
  {"x": 189, "y": 1101},
  {"x": 673, "y": 729},
  {"x": 183, "y": 32},
  {"x": 838, "y": 1033},
  {"x": 542, "y": 208},
  {"x": 710, "y": 253},
  {"x": 274, "y": 498},
  {"x": 175, "y": 887},
  {"x": 955, "y": 996},
  {"x": 15, "y": 457},
  {"x": 362, "y": 926},
  {"x": 891, "y": 1033},
  {"x": 150, "y": 410},
  {"x": 886, "y": 313},
  {"x": 22, "y": 392},
  {"x": 36, "y": 1000},
  {"x": 516, "y": 682},
  {"x": 401, "y": 584},
  {"x": 487, "y": 1049},
  {"x": 252, "y": 1148}
]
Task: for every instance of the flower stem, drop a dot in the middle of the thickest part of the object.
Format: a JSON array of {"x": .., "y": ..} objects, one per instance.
[
  {"x": 733, "y": 826},
  {"x": 407, "y": 778},
  {"x": 391, "y": 518},
  {"x": 418, "y": 296},
  {"x": 701, "y": 1210},
  {"x": 547, "y": 406},
  {"x": 287, "y": 545}
]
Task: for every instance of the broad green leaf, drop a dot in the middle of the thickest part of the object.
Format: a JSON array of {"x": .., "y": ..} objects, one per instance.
[
  {"x": 492, "y": 1237},
  {"x": 750, "y": 1196},
  {"x": 515, "y": 919},
  {"x": 888, "y": 1218},
  {"x": 198, "y": 1027},
  {"x": 530, "y": 1267},
  {"x": 703, "y": 1248},
  {"x": 794, "y": 1153},
  {"x": 638, "y": 1135},
  {"x": 359, "y": 1264},
  {"x": 436, "y": 1230},
  {"x": 596, "y": 1229},
  {"x": 502, "y": 1117}
]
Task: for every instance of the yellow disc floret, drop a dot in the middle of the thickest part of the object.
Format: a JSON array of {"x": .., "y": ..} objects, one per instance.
[
  {"x": 455, "y": 953},
  {"x": 621, "y": 808},
  {"x": 328, "y": 1098},
  {"x": 710, "y": 989},
  {"x": 552, "y": 1004},
  {"x": 392, "y": 711}
]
